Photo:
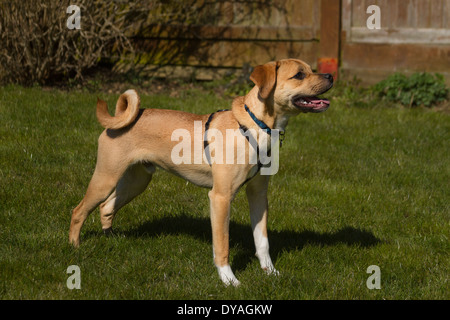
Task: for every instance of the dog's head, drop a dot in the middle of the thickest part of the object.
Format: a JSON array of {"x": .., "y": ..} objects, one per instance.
[{"x": 290, "y": 86}]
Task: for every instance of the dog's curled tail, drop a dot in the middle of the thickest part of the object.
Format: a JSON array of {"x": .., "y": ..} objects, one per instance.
[{"x": 127, "y": 109}]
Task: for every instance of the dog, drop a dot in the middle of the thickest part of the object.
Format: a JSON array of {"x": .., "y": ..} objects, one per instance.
[{"x": 137, "y": 141}]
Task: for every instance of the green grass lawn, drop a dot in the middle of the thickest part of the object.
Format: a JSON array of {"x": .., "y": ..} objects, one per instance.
[{"x": 356, "y": 187}]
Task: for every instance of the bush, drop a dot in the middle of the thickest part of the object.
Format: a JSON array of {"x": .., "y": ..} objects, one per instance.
[
  {"x": 36, "y": 46},
  {"x": 418, "y": 89}
]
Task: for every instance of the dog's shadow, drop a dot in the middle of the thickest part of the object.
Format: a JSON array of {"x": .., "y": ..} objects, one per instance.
[{"x": 242, "y": 239}]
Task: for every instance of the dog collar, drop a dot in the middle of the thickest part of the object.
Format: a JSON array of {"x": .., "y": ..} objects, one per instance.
[{"x": 262, "y": 125}]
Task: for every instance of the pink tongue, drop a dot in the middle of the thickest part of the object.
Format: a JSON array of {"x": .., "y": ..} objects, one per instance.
[{"x": 316, "y": 100}]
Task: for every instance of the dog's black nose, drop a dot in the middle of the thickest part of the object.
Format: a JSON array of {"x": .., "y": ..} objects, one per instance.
[{"x": 328, "y": 76}]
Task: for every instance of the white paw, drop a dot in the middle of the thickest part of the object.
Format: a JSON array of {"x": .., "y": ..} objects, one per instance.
[
  {"x": 271, "y": 271},
  {"x": 227, "y": 276},
  {"x": 267, "y": 265}
]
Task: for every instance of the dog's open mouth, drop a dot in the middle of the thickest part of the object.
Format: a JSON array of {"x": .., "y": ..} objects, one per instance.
[{"x": 311, "y": 104}]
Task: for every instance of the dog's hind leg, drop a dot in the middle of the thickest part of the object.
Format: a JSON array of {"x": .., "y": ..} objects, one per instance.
[
  {"x": 100, "y": 187},
  {"x": 111, "y": 166},
  {"x": 132, "y": 183}
]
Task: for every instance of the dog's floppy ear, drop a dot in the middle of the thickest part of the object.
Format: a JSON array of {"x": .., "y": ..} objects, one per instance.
[{"x": 265, "y": 78}]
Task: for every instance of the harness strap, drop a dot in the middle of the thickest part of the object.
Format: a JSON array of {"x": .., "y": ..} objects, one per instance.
[
  {"x": 243, "y": 129},
  {"x": 205, "y": 138}
]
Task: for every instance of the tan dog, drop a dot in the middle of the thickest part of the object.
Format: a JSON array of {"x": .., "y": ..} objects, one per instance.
[{"x": 136, "y": 141}]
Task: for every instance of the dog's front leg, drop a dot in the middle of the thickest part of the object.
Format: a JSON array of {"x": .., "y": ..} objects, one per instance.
[
  {"x": 257, "y": 198},
  {"x": 220, "y": 218}
]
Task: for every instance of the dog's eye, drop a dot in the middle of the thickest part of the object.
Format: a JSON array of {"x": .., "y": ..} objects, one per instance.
[{"x": 299, "y": 76}]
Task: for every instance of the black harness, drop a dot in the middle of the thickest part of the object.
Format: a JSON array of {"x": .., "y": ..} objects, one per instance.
[
  {"x": 243, "y": 129},
  {"x": 205, "y": 138}
]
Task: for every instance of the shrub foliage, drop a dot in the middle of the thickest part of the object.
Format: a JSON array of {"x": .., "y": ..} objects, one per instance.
[
  {"x": 36, "y": 45},
  {"x": 418, "y": 89}
]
